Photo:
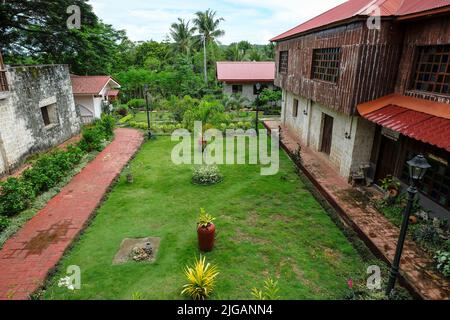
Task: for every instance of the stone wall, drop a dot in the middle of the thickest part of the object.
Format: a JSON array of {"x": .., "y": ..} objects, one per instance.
[
  {"x": 352, "y": 136},
  {"x": 23, "y": 130}
]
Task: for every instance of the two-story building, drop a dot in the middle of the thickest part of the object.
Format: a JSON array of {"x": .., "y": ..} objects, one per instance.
[{"x": 367, "y": 83}]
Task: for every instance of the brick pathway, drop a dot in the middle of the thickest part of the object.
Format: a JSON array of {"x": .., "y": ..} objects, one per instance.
[
  {"x": 417, "y": 269},
  {"x": 27, "y": 257}
]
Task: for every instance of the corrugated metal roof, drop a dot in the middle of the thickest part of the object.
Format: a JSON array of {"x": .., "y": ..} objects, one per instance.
[
  {"x": 417, "y": 125},
  {"x": 355, "y": 8},
  {"x": 88, "y": 84},
  {"x": 246, "y": 71}
]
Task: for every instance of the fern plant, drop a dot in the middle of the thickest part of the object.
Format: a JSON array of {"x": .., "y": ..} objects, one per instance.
[
  {"x": 269, "y": 292},
  {"x": 201, "y": 278}
]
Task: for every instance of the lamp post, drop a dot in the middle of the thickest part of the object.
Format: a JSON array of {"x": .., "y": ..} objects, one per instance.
[
  {"x": 417, "y": 169},
  {"x": 204, "y": 58},
  {"x": 149, "y": 132},
  {"x": 258, "y": 91}
]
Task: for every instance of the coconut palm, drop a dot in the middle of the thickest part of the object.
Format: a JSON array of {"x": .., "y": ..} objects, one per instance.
[
  {"x": 207, "y": 24},
  {"x": 183, "y": 35}
]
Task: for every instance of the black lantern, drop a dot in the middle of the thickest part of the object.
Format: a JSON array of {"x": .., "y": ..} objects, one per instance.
[
  {"x": 147, "y": 107},
  {"x": 258, "y": 91},
  {"x": 418, "y": 166}
]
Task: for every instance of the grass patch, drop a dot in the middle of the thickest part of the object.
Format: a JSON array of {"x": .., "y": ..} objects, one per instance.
[{"x": 267, "y": 226}]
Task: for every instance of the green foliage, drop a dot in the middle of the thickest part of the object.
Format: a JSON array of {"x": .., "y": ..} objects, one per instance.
[
  {"x": 390, "y": 182},
  {"x": 201, "y": 279},
  {"x": 93, "y": 137},
  {"x": 136, "y": 103},
  {"x": 15, "y": 195},
  {"x": 204, "y": 219},
  {"x": 4, "y": 223},
  {"x": 443, "y": 262},
  {"x": 126, "y": 119},
  {"x": 206, "y": 175},
  {"x": 428, "y": 236},
  {"x": 269, "y": 292}
]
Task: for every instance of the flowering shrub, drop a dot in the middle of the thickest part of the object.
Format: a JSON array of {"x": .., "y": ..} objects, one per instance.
[{"x": 206, "y": 175}]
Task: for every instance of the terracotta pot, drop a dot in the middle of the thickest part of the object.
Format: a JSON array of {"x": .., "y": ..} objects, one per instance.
[
  {"x": 413, "y": 219},
  {"x": 392, "y": 192},
  {"x": 206, "y": 237}
]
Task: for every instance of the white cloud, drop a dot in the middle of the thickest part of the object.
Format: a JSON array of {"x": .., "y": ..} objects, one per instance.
[{"x": 254, "y": 20}]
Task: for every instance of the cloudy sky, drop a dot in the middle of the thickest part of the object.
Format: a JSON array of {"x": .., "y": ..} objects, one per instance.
[{"x": 254, "y": 20}]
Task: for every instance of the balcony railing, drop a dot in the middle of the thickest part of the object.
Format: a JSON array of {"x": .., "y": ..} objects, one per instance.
[{"x": 3, "y": 81}]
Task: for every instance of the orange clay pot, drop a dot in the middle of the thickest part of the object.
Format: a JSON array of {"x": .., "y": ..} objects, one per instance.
[{"x": 206, "y": 237}]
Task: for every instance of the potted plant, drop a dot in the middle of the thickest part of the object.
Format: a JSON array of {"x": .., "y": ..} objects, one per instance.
[
  {"x": 391, "y": 186},
  {"x": 205, "y": 231}
]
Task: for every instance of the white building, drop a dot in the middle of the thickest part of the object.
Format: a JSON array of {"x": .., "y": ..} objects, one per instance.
[
  {"x": 240, "y": 78},
  {"x": 91, "y": 93}
]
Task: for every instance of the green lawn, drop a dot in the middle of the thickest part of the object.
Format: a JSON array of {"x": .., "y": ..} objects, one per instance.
[{"x": 267, "y": 226}]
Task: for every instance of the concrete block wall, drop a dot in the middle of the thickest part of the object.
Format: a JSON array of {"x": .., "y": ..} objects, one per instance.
[
  {"x": 352, "y": 139},
  {"x": 22, "y": 128}
]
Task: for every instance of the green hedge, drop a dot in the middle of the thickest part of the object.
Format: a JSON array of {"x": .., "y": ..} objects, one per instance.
[{"x": 16, "y": 194}]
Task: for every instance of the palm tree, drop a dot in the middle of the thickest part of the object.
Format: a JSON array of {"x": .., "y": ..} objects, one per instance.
[
  {"x": 207, "y": 24},
  {"x": 183, "y": 35},
  {"x": 234, "y": 53}
]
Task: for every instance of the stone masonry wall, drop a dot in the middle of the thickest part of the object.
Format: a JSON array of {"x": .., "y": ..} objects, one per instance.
[
  {"x": 352, "y": 139},
  {"x": 22, "y": 128}
]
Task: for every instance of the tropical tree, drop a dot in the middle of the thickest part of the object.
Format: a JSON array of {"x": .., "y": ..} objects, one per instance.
[
  {"x": 182, "y": 34},
  {"x": 207, "y": 24},
  {"x": 234, "y": 53}
]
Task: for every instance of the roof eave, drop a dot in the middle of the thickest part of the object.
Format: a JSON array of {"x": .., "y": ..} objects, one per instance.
[{"x": 339, "y": 23}]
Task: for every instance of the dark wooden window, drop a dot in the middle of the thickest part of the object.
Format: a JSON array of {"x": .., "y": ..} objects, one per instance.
[
  {"x": 295, "y": 108},
  {"x": 436, "y": 182},
  {"x": 432, "y": 72},
  {"x": 236, "y": 88},
  {"x": 283, "y": 63},
  {"x": 325, "y": 65}
]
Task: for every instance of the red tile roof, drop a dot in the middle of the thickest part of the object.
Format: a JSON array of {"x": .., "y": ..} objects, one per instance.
[
  {"x": 417, "y": 125},
  {"x": 88, "y": 84},
  {"x": 246, "y": 71},
  {"x": 423, "y": 120},
  {"x": 361, "y": 8}
]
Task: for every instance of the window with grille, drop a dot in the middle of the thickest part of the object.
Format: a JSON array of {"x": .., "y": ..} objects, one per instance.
[
  {"x": 432, "y": 72},
  {"x": 283, "y": 65},
  {"x": 325, "y": 64},
  {"x": 295, "y": 108}
]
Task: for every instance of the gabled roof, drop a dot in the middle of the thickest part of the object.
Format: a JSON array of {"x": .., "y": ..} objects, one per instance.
[
  {"x": 364, "y": 8},
  {"x": 91, "y": 84},
  {"x": 229, "y": 71}
]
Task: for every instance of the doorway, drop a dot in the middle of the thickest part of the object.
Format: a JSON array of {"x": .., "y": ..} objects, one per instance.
[
  {"x": 387, "y": 158},
  {"x": 327, "y": 134}
]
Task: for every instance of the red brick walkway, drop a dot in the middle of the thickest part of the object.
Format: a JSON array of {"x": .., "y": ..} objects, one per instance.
[
  {"x": 417, "y": 268},
  {"x": 27, "y": 257}
]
